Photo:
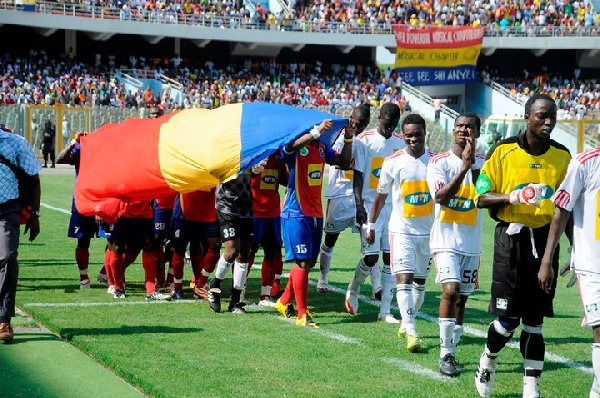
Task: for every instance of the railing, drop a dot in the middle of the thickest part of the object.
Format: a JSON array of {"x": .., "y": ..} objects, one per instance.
[
  {"x": 485, "y": 79},
  {"x": 280, "y": 23},
  {"x": 426, "y": 98},
  {"x": 125, "y": 75}
]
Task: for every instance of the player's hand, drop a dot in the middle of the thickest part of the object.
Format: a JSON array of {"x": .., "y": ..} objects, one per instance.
[
  {"x": 98, "y": 220},
  {"x": 79, "y": 135},
  {"x": 361, "y": 215},
  {"x": 325, "y": 125},
  {"x": 531, "y": 194},
  {"x": 546, "y": 276},
  {"x": 370, "y": 235},
  {"x": 33, "y": 227},
  {"x": 259, "y": 167},
  {"x": 350, "y": 129},
  {"x": 468, "y": 153},
  {"x": 568, "y": 269}
]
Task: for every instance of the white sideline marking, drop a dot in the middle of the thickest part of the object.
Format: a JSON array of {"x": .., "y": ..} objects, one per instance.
[
  {"x": 334, "y": 336},
  {"x": 472, "y": 331},
  {"x": 418, "y": 369},
  {"x": 47, "y": 206},
  {"x": 111, "y": 303}
]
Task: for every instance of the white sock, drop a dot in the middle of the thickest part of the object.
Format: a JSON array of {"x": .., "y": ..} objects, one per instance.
[
  {"x": 458, "y": 329},
  {"x": 265, "y": 290},
  {"x": 488, "y": 360},
  {"x": 376, "y": 277},
  {"x": 239, "y": 275},
  {"x": 418, "y": 294},
  {"x": 360, "y": 274},
  {"x": 406, "y": 305},
  {"x": 531, "y": 387},
  {"x": 596, "y": 366},
  {"x": 222, "y": 268},
  {"x": 325, "y": 257},
  {"x": 388, "y": 283},
  {"x": 446, "y": 336}
]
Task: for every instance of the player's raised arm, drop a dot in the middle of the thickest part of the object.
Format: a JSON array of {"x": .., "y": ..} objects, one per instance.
[{"x": 312, "y": 135}]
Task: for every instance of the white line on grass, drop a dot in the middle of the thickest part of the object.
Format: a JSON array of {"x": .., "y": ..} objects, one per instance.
[
  {"x": 47, "y": 206},
  {"x": 334, "y": 336},
  {"x": 418, "y": 369},
  {"x": 475, "y": 332},
  {"x": 111, "y": 303}
]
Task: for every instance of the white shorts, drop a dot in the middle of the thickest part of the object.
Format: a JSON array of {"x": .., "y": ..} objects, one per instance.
[
  {"x": 454, "y": 267},
  {"x": 382, "y": 239},
  {"x": 589, "y": 288},
  {"x": 410, "y": 255},
  {"x": 341, "y": 213}
]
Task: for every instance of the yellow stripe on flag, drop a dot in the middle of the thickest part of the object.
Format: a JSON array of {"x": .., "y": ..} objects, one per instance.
[
  {"x": 437, "y": 57},
  {"x": 199, "y": 148}
]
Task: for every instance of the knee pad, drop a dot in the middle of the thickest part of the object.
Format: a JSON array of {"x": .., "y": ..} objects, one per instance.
[{"x": 509, "y": 325}]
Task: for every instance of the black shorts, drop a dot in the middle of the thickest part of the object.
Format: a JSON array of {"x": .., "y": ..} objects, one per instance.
[
  {"x": 515, "y": 288},
  {"x": 184, "y": 231},
  {"x": 231, "y": 227}
]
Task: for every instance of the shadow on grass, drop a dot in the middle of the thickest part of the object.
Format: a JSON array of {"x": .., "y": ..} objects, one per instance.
[
  {"x": 21, "y": 338},
  {"x": 50, "y": 262},
  {"x": 70, "y": 333}
]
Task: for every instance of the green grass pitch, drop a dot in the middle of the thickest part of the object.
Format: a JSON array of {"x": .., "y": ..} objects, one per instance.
[{"x": 183, "y": 349}]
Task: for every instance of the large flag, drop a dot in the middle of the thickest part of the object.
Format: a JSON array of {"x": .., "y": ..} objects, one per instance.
[
  {"x": 191, "y": 150},
  {"x": 438, "y": 55}
]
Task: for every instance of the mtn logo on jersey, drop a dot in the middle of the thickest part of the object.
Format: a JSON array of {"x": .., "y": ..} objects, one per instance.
[
  {"x": 315, "y": 174},
  {"x": 547, "y": 191},
  {"x": 377, "y": 172},
  {"x": 269, "y": 180},
  {"x": 418, "y": 198},
  {"x": 459, "y": 203}
]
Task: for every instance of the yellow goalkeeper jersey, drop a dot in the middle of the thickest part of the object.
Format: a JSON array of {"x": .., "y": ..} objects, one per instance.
[{"x": 509, "y": 166}]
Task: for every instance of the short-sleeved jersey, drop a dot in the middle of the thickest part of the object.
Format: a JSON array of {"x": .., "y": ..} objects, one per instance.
[
  {"x": 304, "y": 187},
  {"x": 370, "y": 151},
  {"x": 340, "y": 181},
  {"x": 406, "y": 178},
  {"x": 165, "y": 203},
  {"x": 509, "y": 166},
  {"x": 580, "y": 193},
  {"x": 196, "y": 206},
  {"x": 141, "y": 209},
  {"x": 234, "y": 198},
  {"x": 265, "y": 188},
  {"x": 457, "y": 226}
]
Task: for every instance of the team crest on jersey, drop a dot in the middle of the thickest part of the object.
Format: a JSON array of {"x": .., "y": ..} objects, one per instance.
[
  {"x": 547, "y": 191},
  {"x": 418, "y": 198},
  {"x": 321, "y": 152},
  {"x": 303, "y": 151},
  {"x": 589, "y": 308}
]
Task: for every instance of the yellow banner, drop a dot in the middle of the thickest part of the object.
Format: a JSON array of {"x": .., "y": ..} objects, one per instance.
[{"x": 436, "y": 57}]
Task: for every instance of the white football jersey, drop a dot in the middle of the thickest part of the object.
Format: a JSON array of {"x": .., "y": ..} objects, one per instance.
[
  {"x": 412, "y": 204},
  {"x": 371, "y": 148},
  {"x": 340, "y": 181},
  {"x": 579, "y": 193},
  {"x": 457, "y": 226}
]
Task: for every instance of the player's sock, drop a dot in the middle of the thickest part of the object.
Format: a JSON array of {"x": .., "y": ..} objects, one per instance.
[
  {"x": 458, "y": 330},
  {"x": 278, "y": 265},
  {"x": 325, "y": 256},
  {"x": 596, "y": 366},
  {"x": 170, "y": 279},
  {"x": 418, "y": 293},
  {"x": 266, "y": 277},
  {"x": 533, "y": 350},
  {"x": 222, "y": 268},
  {"x": 210, "y": 262},
  {"x": 388, "y": 282},
  {"x": 499, "y": 333},
  {"x": 117, "y": 261},
  {"x": 240, "y": 270},
  {"x": 360, "y": 274},
  {"x": 197, "y": 265},
  {"x": 110, "y": 273},
  {"x": 160, "y": 266},
  {"x": 149, "y": 265},
  {"x": 446, "y": 336},
  {"x": 178, "y": 265},
  {"x": 300, "y": 289},
  {"x": 406, "y": 305},
  {"x": 288, "y": 293},
  {"x": 375, "y": 273},
  {"x": 82, "y": 257}
]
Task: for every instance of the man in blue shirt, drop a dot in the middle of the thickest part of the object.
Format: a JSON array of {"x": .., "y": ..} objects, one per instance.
[{"x": 17, "y": 151}]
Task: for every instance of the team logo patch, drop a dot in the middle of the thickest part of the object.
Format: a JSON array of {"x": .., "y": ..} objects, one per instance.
[
  {"x": 547, "y": 191},
  {"x": 483, "y": 184},
  {"x": 535, "y": 166},
  {"x": 269, "y": 179},
  {"x": 315, "y": 175},
  {"x": 589, "y": 308},
  {"x": 501, "y": 304},
  {"x": 377, "y": 172},
  {"x": 418, "y": 198},
  {"x": 321, "y": 152},
  {"x": 303, "y": 151}
]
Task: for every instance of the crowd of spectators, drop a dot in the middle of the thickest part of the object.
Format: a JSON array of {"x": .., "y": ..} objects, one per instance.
[
  {"x": 523, "y": 16},
  {"x": 42, "y": 80},
  {"x": 576, "y": 98}
]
